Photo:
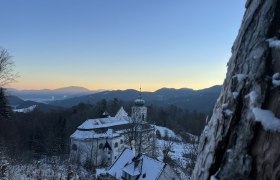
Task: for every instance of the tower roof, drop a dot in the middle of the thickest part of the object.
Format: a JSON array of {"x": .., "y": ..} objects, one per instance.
[{"x": 139, "y": 101}]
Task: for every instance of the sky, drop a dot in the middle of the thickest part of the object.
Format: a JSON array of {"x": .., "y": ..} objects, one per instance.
[{"x": 119, "y": 44}]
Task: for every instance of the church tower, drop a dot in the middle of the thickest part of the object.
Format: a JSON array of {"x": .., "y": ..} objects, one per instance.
[
  {"x": 139, "y": 120},
  {"x": 139, "y": 110}
]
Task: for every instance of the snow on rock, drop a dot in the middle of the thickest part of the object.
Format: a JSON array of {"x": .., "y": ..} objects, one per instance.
[
  {"x": 274, "y": 43},
  {"x": 267, "y": 119},
  {"x": 253, "y": 98},
  {"x": 228, "y": 112},
  {"x": 276, "y": 79},
  {"x": 224, "y": 106},
  {"x": 235, "y": 94},
  {"x": 240, "y": 77},
  {"x": 213, "y": 178}
]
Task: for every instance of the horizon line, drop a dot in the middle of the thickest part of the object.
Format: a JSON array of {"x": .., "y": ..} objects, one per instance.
[{"x": 100, "y": 90}]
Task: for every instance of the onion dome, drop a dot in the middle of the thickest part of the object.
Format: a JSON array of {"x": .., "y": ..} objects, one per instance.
[{"x": 139, "y": 102}]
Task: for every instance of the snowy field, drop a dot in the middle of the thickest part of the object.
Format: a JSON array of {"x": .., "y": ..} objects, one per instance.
[{"x": 178, "y": 148}]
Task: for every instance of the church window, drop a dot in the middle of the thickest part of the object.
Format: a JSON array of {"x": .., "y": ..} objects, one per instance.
[
  {"x": 100, "y": 146},
  {"x": 74, "y": 147},
  {"x": 121, "y": 141},
  {"x": 116, "y": 144}
]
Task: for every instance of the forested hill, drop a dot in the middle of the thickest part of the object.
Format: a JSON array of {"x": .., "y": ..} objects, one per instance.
[{"x": 199, "y": 100}]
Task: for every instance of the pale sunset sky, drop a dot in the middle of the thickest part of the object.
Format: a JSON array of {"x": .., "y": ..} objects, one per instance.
[{"x": 119, "y": 44}]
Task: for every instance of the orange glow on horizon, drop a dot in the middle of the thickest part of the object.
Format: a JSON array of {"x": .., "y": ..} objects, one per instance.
[{"x": 150, "y": 87}]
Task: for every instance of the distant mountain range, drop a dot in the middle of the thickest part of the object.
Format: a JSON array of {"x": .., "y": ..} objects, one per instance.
[
  {"x": 17, "y": 103},
  {"x": 200, "y": 100},
  {"x": 48, "y": 94}
]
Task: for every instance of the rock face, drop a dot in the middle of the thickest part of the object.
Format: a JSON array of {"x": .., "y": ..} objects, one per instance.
[{"x": 234, "y": 144}]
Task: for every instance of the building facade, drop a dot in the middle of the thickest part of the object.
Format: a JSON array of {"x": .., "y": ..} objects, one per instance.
[{"x": 100, "y": 141}]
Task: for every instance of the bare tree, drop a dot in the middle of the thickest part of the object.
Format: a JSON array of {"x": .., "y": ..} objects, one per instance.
[
  {"x": 190, "y": 152},
  {"x": 7, "y": 73},
  {"x": 167, "y": 148}
]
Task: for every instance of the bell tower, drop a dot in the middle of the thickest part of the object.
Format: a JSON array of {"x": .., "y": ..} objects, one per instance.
[{"x": 139, "y": 110}]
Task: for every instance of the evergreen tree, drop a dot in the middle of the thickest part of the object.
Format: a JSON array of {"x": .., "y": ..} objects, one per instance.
[{"x": 4, "y": 110}]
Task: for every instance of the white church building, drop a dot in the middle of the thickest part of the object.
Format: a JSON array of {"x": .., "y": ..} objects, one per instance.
[{"x": 101, "y": 141}]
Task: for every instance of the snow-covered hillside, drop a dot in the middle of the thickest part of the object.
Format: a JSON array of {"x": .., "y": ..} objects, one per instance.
[
  {"x": 47, "y": 168},
  {"x": 178, "y": 150},
  {"x": 26, "y": 110}
]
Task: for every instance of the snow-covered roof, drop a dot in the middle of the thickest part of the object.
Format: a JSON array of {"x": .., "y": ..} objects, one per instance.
[
  {"x": 142, "y": 166},
  {"x": 120, "y": 119},
  {"x": 103, "y": 122},
  {"x": 133, "y": 169},
  {"x": 121, "y": 113},
  {"x": 116, "y": 169},
  {"x": 82, "y": 135}
]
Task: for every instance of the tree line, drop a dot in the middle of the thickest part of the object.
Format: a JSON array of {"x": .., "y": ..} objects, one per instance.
[
  {"x": 48, "y": 133},
  {"x": 40, "y": 133}
]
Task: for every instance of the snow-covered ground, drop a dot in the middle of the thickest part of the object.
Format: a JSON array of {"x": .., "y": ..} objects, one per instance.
[
  {"x": 166, "y": 132},
  {"x": 53, "y": 168},
  {"x": 178, "y": 148},
  {"x": 45, "y": 169}
]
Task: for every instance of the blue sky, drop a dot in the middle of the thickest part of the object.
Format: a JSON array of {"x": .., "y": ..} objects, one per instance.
[{"x": 119, "y": 44}]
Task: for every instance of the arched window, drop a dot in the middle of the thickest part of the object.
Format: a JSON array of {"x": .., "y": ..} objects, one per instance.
[
  {"x": 100, "y": 146},
  {"x": 116, "y": 144},
  {"x": 74, "y": 147},
  {"x": 121, "y": 141}
]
